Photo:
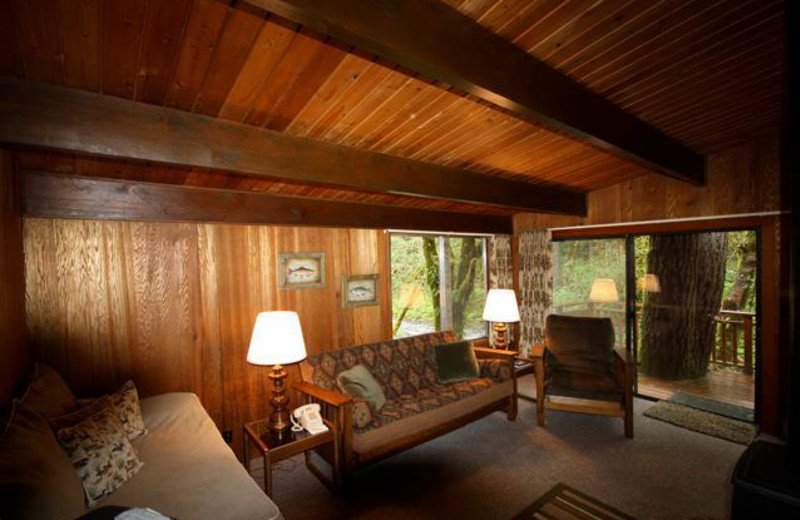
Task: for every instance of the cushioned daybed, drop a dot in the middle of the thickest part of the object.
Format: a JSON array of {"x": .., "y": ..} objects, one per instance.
[{"x": 189, "y": 473}]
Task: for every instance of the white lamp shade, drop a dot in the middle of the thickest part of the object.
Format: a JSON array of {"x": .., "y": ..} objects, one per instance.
[
  {"x": 650, "y": 283},
  {"x": 501, "y": 306},
  {"x": 277, "y": 339},
  {"x": 604, "y": 290}
]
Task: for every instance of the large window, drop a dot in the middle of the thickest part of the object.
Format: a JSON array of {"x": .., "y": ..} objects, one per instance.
[{"x": 438, "y": 283}]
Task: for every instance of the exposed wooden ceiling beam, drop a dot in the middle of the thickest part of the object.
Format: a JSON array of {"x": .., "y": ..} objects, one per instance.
[
  {"x": 77, "y": 121},
  {"x": 69, "y": 196},
  {"x": 430, "y": 37}
]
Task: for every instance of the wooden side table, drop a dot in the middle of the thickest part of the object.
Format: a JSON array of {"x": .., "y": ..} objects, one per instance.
[
  {"x": 274, "y": 448},
  {"x": 523, "y": 366}
]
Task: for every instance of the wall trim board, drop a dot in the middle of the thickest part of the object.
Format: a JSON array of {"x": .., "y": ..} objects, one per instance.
[
  {"x": 668, "y": 221},
  {"x": 666, "y": 226},
  {"x": 67, "y": 196}
]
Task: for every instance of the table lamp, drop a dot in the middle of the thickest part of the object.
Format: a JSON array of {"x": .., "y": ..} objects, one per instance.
[
  {"x": 277, "y": 340},
  {"x": 604, "y": 290},
  {"x": 501, "y": 308}
]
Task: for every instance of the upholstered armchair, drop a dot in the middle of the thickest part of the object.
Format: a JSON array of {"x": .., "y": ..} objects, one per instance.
[{"x": 579, "y": 370}]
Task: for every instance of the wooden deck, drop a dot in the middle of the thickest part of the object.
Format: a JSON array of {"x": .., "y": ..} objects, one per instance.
[{"x": 720, "y": 385}]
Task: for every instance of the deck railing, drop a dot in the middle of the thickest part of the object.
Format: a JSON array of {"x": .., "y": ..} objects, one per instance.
[
  {"x": 734, "y": 346},
  {"x": 735, "y": 331}
]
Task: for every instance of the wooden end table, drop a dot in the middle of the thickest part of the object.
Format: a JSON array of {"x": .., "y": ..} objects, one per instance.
[
  {"x": 276, "y": 448},
  {"x": 524, "y": 366}
]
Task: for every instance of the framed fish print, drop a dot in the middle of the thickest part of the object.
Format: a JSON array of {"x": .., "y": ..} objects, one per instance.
[
  {"x": 359, "y": 290},
  {"x": 301, "y": 270}
]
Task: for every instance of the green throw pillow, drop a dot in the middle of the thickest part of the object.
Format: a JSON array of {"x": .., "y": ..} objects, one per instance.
[
  {"x": 359, "y": 383},
  {"x": 455, "y": 362}
]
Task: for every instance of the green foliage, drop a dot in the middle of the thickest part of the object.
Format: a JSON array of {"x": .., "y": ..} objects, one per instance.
[
  {"x": 408, "y": 271},
  {"x": 579, "y": 262},
  {"x": 415, "y": 263}
]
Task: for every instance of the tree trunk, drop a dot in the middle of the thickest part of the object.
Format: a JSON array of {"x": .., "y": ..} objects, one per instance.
[
  {"x": 463, "y": 269},
  {"x": 678, "y": 325},
  {"x": 431, "y": 254},
  {"x": 745, "y": 274}
]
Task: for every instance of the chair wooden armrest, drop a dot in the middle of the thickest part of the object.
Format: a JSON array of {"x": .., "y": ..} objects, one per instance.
[
  {"x": 537, "y": 350},
  {"x": 337, "y": 408},
  {"x": 489, "y": 353},
  {"x": 333, "y": 398}
]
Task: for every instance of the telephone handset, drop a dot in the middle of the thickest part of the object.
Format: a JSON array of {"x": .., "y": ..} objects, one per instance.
[{"x": 310, "y": 419}]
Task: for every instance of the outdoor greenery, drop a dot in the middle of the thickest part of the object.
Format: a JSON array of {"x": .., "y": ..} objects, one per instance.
[{"x": 416, "y": 282}]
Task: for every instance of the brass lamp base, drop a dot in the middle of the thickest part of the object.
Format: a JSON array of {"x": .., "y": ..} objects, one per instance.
[
  {"x": 501, "y": 339},
  {"x": 279, "y": 420}
]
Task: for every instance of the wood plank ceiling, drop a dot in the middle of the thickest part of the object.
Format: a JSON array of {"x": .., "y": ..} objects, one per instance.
[{"x": 708, "y": 73}]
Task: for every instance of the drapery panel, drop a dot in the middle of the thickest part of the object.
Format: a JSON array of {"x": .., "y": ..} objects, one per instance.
[
  {"x": 535, "y": 286},
  {"x": 501, "y": 268}
]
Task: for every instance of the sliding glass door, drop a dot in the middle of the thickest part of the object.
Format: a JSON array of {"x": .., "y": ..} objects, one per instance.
[
  {"x": 696, "y": 315},
  {"x": 686, "y": 304}
]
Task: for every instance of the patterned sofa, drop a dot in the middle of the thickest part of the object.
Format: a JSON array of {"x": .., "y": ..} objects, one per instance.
[{"x": 418, "y": 407}]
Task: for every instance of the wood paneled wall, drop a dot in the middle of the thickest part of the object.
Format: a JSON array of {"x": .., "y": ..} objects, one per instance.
[
  {"x": 13, "y": 349},
  {"x": 173, "y": 305},
  {"x": 743, "y": 179}
]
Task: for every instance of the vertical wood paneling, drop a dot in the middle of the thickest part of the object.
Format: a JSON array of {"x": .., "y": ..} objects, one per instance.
[
  {"x": 172, "y": 305},
  {"x": 13, "y": 349}
]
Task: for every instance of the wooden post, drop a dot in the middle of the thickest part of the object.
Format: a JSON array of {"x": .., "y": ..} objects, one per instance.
[
  {"x": 748, "y": 344},
  {"x": 723, "y": 347},
  {"x": 735, "y": 333}
]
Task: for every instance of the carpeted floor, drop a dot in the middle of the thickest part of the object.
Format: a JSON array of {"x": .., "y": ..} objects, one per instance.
[{"x": 493, "y": 469}]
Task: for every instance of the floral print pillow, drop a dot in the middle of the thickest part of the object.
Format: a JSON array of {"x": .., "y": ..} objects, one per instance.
[
  {"x": 101, "y": 453},
  {"x": 124, "y": 402}
]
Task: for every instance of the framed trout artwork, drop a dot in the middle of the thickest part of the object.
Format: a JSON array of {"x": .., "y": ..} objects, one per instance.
[
  {"x": 359, "y": 290},
  {"x": 301, "y": 270}
]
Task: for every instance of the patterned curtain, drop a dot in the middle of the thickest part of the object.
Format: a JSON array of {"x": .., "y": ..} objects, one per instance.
[
  {"x": 535, "y": 286},
  {"x": 501, "y": 269}
]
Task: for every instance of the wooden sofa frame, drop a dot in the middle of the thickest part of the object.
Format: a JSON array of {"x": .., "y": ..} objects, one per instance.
[
  {"x": 624, "y": 364},
  {"x": 337, "y": 408}
]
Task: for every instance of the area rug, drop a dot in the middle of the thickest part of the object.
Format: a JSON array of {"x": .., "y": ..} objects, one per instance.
[
  {"x": 564, "y": 503},
  {"x": 699, "y": 421},
  {"x": 709, "y": 405}
]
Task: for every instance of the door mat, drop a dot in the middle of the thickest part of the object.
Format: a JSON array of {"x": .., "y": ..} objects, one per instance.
[
  {"x": 741, "y": 413},
  {"x": 699, "y": 421},
  {"x": 566, "y": 503}
]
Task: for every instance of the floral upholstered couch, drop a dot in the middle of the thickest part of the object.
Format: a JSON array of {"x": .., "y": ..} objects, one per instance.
[{"x": 418, "y": 407}]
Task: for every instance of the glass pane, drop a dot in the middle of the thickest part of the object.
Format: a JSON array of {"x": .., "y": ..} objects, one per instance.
[
  {"x": 415, "y": 282},
  {"x": 696, "y": 303},
  {"x": 425, "y": 301},
  {"x": 589, "y": 280},
  {"x": 465, "y": 286}
]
